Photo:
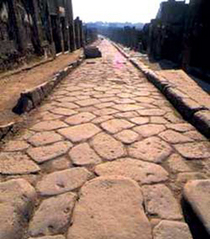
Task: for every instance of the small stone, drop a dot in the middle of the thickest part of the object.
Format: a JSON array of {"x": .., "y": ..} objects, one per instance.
[
  {"x": 17, "y": 163},
  {"x": 140, "y": 120},
  {"x": 142, "y": 172},
  {"x": 17, "y": 199},
  {"x": 159, "y": 201},
  {"x": 174, "y": 137},
  {"x": 108, "y": 147},
  {"x": 53, "y": 215},
  {"x": 171, "y": 229},
  {"x": 63, "y": 111},
  {"x": 49, "y": 125},
  {"x": 80, "y": 133},
  {"x": 197, "y": 194},
  {"x": 115, "y": 125},
  {"x": 45, "y": 153},
  {"x": 127, "y": 136},
  {"x": 151, "y": 149},
  {"x": 196, "y": 150},
  {"x": 63, "y": 181},
  {"x": 110, "y": 207},
  {"x": 83, "y": 155},
  {"x": 80, "y": 118},
  {"x": 149, "y": 129},
  {"x": 43, "y": 138},
  {"x": 13, "y": 146},
  {"x": 177, "y": 164}
]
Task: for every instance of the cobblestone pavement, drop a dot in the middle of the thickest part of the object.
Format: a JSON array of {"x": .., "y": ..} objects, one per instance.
[{"x": 105, "y": 157}]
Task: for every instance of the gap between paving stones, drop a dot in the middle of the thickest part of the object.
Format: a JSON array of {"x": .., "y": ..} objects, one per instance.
[{"x": 198, "y": 115}]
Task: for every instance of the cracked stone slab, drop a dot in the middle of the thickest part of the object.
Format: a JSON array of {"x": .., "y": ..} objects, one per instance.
[
  {"x": 80, "y": 118},
  {"x": 197, "y": 194},
  {"x": 49, "y": 125},
  {"x": 159, "y": 201},
  {"x": 53, "y": 215},
  {"x": 43, "y": 138},
  {"x": 80, "y": 133},
  {"x": 151, "y": 149},
  {"x": 44, "y": 153},
  {"x": 149, "y": 129},
  {"x": 83, "y": 155},
  {"x": 106, "y": 205},
  {"x": 116, "y": 125},
  {"x": 63, "y": 181},
  {"x": 172, "y": 229},
  {"x": 107, "y": 147},
  {"x": 17, "y": 199},
  {"x": 196, "y": 150},
  {"x": 142, "y": 172},
  {"x": 17, "y": 163}
]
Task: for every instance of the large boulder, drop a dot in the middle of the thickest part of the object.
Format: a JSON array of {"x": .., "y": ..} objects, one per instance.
[{"x": 92, "y": 52}]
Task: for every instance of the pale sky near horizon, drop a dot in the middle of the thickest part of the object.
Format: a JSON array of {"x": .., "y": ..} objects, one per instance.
[{"x": 116, "y": 10}]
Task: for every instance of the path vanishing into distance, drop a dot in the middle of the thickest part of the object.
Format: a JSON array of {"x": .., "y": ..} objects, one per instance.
[{"x": 105, "y": 156}]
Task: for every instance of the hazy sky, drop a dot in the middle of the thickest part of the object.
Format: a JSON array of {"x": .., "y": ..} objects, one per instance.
[{"x": 116, "y": 10}]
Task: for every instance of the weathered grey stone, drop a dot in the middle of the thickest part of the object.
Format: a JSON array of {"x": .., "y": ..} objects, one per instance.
[
  {"x": 44, "y": 153},
  {"x": 53, "y": 215},
  {"x": 110, "y": 207},
  {"x": 108, "y": 147},
  {"x": 151, "y": 149},
  {"x": 17, "y": 163},
  {"x": 171, "y": 229},
  {"x": 159, "y": 201},
  {"x": 17, "y": 199},
  {"x": 63, "y": 181},
  {"x": 197, "y": 194},
  {"x": 142, "y": 172}
]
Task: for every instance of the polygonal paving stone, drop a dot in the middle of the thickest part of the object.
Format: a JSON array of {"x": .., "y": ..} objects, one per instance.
[
  {"x": 107, "y": 147},
  {"x": 177, "y": 164},
  {"x": 196, "y": 150},
  {"x": 53, "y": 215},
  {"x": 142, "y": 99},
  {"x": 181, "y": 127},
  {"x": 110, "y": 207},
  {"x": 102, "y": 119},
  {"x": 174, "y": 137},
  {"x": 80, "y": 132},
  {"x": 88, "y": 102},
  {"x": 63, "y": 111},
  {"x": 104, "y": 105},
  {"x": 49, "y": 125},
  {"x": 17, "y": 199},
  {"x": 43, "y": 138},
  {"x": 129, "y": 114},
  {"x": 127, "y": 107},
  {"x": 17, "y": 163},
  {"x": 125, "y": 101},
  {"x": 127, "y": 136},
  {"x": 80, "y": 118},
  {"x": 66, "y": 99},
  {"x": 17, "y": 145},
  {"x": 63, "y": 181},
  {"x": 83, "y": 155},
  {"x": 171, "y": 229},
  {"x": 67, "y": 105},
  {"x": 195, "y": 135},
  {"x": 142, "y": 172},
  {"x": 185, "y": 177},
  {"x": 176, "y": 119},
  {"x": 60, "y": 163},
  {"x": 197, "y": 194},
  {"x": 149, "y": 129},
  {"x": 158, "y": 120},
  {"x": 159, "y": 201},
  {"x": 152, "y": 149},
  {"x": 49, "y": 237},
  {"x": 151, "y": 112},
  {"x": 115, "y": 125},
  {"x": 105, "y": 111},
  {"x": 140, "y": 120},
  {"x": 45, "y": 153}
]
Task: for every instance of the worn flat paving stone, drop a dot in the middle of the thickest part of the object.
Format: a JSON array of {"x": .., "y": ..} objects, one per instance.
[{"x": 103, "y": 120}]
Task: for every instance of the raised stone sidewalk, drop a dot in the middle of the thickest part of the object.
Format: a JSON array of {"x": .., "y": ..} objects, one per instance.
[{"x": 104, "y": 156}]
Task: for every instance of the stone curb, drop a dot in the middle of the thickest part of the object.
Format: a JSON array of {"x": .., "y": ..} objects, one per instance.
[
  {"x": 31, "y": 98},
  {"x": 193, "y": 112}
]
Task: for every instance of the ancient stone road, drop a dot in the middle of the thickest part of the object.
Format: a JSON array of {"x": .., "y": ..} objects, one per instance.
[{"x": 105, "y": 157}]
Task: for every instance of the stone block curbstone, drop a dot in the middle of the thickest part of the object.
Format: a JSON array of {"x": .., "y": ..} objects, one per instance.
[{"x": 201, "y": 120}]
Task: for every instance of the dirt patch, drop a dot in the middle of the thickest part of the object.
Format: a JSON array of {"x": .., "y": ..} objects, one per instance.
[{"x": 12, "y": 86}]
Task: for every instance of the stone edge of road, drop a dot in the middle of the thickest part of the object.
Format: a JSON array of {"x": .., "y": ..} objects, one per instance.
[
  {"x": 198, "y": 115},
  {"x": 31, "y": 98}
]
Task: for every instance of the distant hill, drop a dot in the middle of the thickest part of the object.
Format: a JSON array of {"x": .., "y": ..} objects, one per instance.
[{"x": 114, "y": 24}]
